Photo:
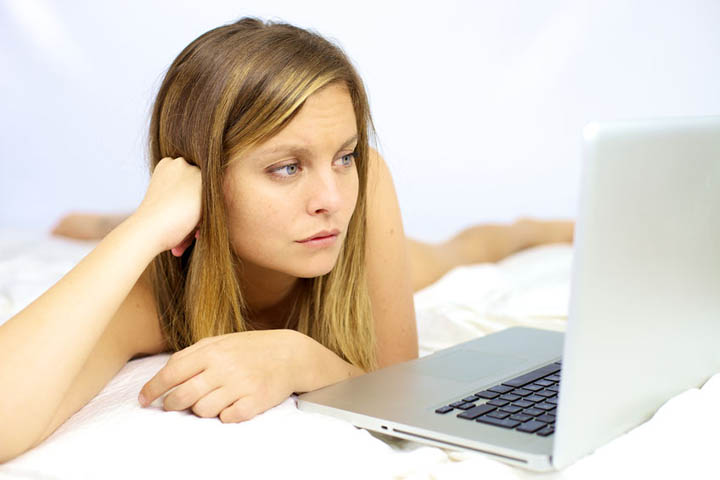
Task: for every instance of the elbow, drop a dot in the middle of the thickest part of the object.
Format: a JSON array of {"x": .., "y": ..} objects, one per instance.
[
  {"x": 11, "y": 444},
  {"x": 7, "y": 453}
]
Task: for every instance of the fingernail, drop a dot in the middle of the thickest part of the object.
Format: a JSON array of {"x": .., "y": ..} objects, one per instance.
[
  {"x": 197, "y": 234},
  {"x": 142, "y": 399}
]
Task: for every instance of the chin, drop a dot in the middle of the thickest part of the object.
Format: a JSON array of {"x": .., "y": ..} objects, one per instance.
[{"x": 312, "y": 271}]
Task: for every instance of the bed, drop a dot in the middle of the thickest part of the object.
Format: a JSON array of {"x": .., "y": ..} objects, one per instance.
[{"x": 113, "y": 437}]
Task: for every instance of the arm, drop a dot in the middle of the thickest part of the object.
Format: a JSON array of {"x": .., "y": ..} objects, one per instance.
[
  {"x": 319, "y": 366},
  {"x": 51, "y": 339},
  {"x": 238, "y": 375}
]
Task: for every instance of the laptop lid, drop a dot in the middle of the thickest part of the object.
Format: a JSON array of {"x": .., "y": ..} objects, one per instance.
[{"x": 644, "y": 319}]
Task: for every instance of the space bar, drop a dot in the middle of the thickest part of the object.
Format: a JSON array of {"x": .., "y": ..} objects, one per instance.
[{"x": 532, "y": 376}]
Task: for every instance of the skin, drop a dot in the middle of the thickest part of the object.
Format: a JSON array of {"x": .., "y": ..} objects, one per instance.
[{"x": 276, "y": 197}]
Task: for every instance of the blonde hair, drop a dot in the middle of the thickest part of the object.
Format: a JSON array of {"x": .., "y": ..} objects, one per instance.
[{"x": 233, "y": 87}]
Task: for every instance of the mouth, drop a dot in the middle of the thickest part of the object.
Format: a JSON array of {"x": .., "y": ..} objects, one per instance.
[{"x": 323, "y": 235}]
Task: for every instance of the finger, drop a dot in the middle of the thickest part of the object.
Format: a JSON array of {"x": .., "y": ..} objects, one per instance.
[
  {"x": 214, "y": 402},
  {"x": 187, "y": 394},
  {"x": 175, "y": 372},
  {"x": 241, "y": 410},
  {"x": 196, "y": 346}
]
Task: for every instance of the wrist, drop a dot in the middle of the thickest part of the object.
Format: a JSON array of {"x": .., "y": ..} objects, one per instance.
[
  {"x": 145, "y": 231},
  {"x": 301, "y": 358},
  {"x": 316, "y": 366}
]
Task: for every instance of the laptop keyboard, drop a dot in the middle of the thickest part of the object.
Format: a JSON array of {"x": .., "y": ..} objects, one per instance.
[{"x": 526, "y": 403}]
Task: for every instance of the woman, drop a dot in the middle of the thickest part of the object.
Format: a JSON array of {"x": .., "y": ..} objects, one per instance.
[
  {"x": 268, "y": 252},
  {"x": 428, "y": 262}
]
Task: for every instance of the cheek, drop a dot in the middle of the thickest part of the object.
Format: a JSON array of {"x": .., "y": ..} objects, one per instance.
[{"x": 256, "y": 220}]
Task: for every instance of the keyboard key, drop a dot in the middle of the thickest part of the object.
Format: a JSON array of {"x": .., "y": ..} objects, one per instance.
[
  {"x": 533, "y": 411},
  {"x": 522, "y": 392},
  {"x": 533, "y": 388},
  {"x": 466, "y": 406},
  {"x": 498, "y": 403},
  {"x": 444, "y": 409},
  {"x": 544, "y": 406},
  {"x": 510, "y": 397},
  {"x": 531, "y": 426},
  {"x": 498, "y": 414},
  {"x": 552, "y": 400},
  {"x": 545, "y": 418},
  {"x": 457, "y": 404},
  {"x": 544, "y": 383},
  {"x": 554, "y": 388},
  {"x": 487, "y": 394},
  {"x": 549, "y": 430},
  {"x": 506, "y": 422},
  {"x": 473, "y": 398},
  {"x": 535, "y": 398},
  {"x": 530, "y": 377},
  {"x": 521, "y": 417},
  {"x": 553, "y": 378},
  {"x": 511, "y": 409},
  {"x": 500, "y": 389},
  {"x": 523, "y": 404},
  {"x": 544, "y": 393},
  {"x": 476, "y": 411},
  {"x": 552, "y": 411}
]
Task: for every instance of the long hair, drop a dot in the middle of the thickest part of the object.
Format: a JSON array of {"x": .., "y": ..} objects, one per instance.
[{"x": 234, "y": 87}]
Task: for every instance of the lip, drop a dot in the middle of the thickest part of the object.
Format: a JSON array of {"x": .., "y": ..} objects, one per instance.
[{"x": 321, "y": 235}]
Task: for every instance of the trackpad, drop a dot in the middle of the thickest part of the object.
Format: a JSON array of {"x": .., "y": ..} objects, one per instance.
[{"x": 469, "y": 365}]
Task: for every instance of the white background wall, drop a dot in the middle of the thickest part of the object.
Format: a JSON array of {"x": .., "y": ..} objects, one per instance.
[{"x": 478, "y": 104}]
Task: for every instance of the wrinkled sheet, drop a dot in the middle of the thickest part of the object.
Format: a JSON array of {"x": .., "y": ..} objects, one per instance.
[{"x": 113, "y": 437}]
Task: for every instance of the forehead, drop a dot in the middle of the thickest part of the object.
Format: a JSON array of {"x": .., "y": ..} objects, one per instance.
[{"x": 326, "y": 117}]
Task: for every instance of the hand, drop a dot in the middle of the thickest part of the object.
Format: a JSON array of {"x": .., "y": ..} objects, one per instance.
[
  {"x": 173, "y": 204},
  {"x": 234, "y": 376}
]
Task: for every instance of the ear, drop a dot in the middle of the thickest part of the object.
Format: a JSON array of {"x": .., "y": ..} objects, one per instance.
[{"x": 179, "y": 250}]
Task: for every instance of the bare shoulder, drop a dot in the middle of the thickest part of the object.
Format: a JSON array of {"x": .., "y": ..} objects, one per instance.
[
  {"x": 388, "y": 270},
  {"x": 144, "y": 335}
]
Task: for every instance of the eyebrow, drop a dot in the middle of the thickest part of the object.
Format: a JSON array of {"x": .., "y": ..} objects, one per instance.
[{"x": 290, "y": 148}]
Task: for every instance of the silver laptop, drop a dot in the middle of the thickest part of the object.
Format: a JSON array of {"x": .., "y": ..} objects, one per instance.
[{"x": 643, "y": 325}]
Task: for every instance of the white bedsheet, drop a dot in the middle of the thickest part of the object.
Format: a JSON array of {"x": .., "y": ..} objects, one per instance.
[{"x": 112, "y": 437}]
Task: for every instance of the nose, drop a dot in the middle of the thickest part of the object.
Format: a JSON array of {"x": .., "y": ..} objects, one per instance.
[{"x": 324, "y": 195}]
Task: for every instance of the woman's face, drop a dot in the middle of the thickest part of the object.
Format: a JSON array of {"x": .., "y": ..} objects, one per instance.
[{"x": 301, "y": 182}]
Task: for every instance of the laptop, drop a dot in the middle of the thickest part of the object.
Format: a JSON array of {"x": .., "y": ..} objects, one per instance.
[{"x": 643, "y": 322}]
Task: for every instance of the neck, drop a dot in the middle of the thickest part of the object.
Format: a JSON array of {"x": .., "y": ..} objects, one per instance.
[{"x": 268, "y": 294}]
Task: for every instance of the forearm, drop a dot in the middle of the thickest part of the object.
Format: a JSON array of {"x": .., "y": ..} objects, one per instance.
[
  {"x": 319, "y": 366},
  {"x": 107, "y": 223},
  {"x": 44, "y": 346}
]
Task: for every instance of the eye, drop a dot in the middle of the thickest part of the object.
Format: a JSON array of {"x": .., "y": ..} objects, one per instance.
[
  {"x": 347, "y": 160},
  {"x": 289, "y": 170}
]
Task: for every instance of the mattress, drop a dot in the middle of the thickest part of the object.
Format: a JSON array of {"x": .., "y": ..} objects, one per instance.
[{"x": 113, "y": 437}]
